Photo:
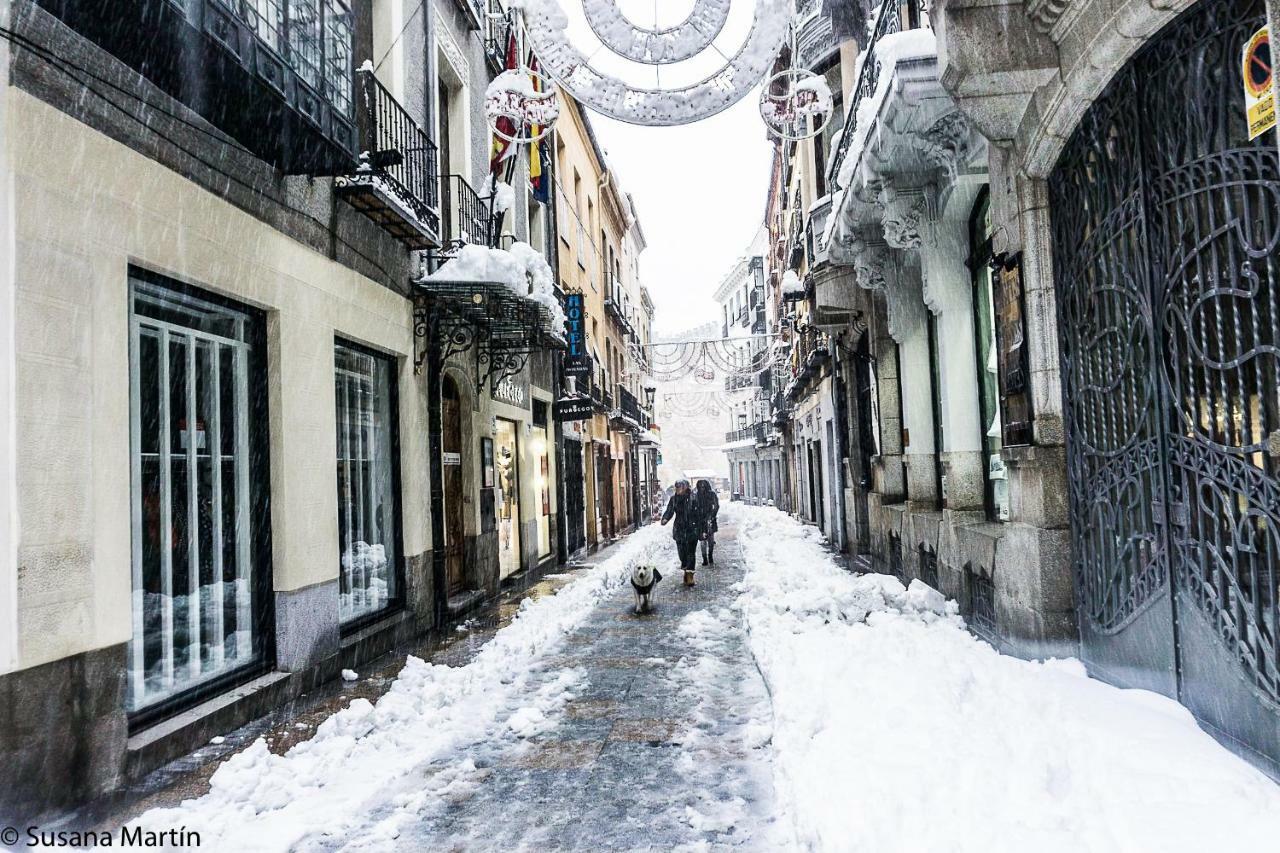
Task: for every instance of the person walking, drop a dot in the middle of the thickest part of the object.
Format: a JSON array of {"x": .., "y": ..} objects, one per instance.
[
  {"x": 708, "y": 510},
  {"x": 683, "y": 508}
]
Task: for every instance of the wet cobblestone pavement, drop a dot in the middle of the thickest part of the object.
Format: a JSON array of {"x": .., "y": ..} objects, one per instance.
[{"x": 663, "y": 747}]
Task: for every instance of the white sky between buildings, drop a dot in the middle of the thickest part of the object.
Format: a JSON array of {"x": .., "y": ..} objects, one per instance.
[{"x": 700, "y": 189}]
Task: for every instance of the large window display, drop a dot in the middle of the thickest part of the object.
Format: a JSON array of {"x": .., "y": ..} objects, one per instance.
[
  {"x": 541, "y": 453},
  {"x": 507, "y": 496},
  {"x": 368, "y": 528},
  {"x": 196, "y": 485}
]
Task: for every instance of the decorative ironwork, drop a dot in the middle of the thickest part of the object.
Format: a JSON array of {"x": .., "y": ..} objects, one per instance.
[
  {"x": 928, "y": 564},
  {"x": 395, "y": 182},
  {"x": 489, "y": 317},
  {"x": 1166, "y": 235},
  {"x": 980, "y": 602}
]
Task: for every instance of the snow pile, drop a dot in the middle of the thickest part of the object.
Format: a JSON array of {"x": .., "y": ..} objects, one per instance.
[
  {"x": 399, "y": 754},
  {"x": 896, "y": 730},
  {"x": 522, "y": 269},
  {"x": 500, "y": 194},
  {"x": 791, "y": 283}
]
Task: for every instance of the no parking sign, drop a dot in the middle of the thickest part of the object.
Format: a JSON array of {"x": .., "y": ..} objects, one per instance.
[{"x": 1259, "y": 97}]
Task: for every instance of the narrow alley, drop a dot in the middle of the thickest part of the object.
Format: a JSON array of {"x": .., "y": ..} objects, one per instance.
[{"x": 782, "y": 703}]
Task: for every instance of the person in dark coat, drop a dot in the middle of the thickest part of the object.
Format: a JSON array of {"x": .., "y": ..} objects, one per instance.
[
  {"x": 683, "y": 508},
  {"x": 708, "y": 509}
]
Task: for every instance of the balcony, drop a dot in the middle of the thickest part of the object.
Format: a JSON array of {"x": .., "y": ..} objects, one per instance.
[
  {"x": 815, "y": 40},
  {"x": 395, "y": 182},
  {"x": 617, "y": 306},
  {"x": 628, "y": 411},
  {"x": 465, "y": 216},
  {"x": 893, "y": 16},
  {"x": 815, "y": 230},
  {"x": 497, "y": 35},
  {"x": 279, "y": 84}
]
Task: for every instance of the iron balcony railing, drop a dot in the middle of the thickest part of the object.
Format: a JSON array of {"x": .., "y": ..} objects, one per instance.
[
  {"x": 629, "y": 406},
  {"x": 497, "y": 35},
  {"x": 399, "y": 159},
  {"x": 894, "y": 16},
  {"x": 757, "y": 432},
  {"x": 467, "y": 217}
]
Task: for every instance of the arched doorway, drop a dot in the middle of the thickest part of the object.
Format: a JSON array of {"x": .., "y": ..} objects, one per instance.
[
  {"x": 451, "y": 446},
  {"x": 1167, "y": 264}
]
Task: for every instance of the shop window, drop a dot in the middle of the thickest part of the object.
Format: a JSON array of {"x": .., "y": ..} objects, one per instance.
[
  {"x": 507, "y": 495},
  {"x": 198, "y": 499},
  {"x": 995, "y": 475},
  {"x": 368, "y": 518}
]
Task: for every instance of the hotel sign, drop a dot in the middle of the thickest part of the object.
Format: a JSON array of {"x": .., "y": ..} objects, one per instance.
[{"x": 576, "y": 360}]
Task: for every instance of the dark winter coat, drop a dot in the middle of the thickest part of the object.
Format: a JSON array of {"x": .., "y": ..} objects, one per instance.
[
  {"x": 687, "y": 526},
  {"x": 708, "y": 509}
]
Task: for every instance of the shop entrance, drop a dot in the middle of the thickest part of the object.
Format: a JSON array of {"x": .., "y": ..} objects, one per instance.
[
  {"x": 506, "y": 464},
  {"x": 451, "y": 444}
]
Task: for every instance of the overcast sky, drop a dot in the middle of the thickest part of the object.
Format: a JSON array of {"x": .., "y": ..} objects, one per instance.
[{"x": 700, "y": 190}]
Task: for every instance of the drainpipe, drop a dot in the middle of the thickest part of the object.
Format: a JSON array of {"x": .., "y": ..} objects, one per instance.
[{"x": 435, "y": 446}]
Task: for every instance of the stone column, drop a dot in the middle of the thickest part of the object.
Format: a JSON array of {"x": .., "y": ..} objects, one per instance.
[
  {"x": 912, "y": 223},
  {"x": 887, "y": 474},
  {"x": 909, "y": 326}
]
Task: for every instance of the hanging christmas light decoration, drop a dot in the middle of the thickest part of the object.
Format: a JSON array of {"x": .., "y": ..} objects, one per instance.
[
  {"x": 740, "y": 67},
  {"x": 527, "y": 100},
  {"x": 796, "y": 104}
]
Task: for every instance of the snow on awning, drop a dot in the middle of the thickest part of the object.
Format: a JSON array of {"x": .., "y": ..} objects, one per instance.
[{"x": 649, "y": 437}]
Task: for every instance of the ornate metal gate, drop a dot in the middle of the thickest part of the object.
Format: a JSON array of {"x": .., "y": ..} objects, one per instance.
[{"x": 1167, "y": 258}]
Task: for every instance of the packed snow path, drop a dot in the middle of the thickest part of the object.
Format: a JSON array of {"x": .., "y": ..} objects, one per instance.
[
  {"x": 581, "y": 726},
  {"x": 880, "y": 724}
]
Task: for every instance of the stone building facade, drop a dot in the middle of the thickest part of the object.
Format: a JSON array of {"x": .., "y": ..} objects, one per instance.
[
  {"x": 1057, "y": 222},
  {"x": 233, "y": 477}
]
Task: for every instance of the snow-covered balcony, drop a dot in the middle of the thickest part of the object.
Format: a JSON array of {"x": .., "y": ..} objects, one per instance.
[
  {"x": 501, "y": 302},
  {"x": 394, "y": 183},
  {"x": 902, "y": 133}
]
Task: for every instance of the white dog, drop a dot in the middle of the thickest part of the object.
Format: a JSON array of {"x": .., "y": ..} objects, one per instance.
[{"x": 643, "y": 581}]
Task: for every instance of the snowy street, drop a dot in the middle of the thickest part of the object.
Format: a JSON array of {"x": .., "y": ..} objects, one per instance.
[{"x": 880, "y": 724}]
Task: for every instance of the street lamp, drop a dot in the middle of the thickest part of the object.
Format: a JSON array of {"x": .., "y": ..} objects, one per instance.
[{"x": 649, "y": 392}]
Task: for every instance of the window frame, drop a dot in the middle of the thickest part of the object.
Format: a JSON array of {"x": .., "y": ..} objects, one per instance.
[
  {"x": 262, "y": 657},
  {"x": 395, "y": 603}
]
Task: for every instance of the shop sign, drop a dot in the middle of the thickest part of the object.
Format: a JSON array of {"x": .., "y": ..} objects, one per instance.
[
  {"x": 576, "y": 360},
  {"x": 1257, "y": 76},
  {"x": 573, "y": 409},
  {"x": 1011, "y": 356},
  {"x": 511, "y": 390}
]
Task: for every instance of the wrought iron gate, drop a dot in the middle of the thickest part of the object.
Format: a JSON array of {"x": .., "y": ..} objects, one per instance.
[{"x": 1167, "y": 258}]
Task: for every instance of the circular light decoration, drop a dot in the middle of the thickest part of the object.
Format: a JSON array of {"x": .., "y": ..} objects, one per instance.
[
  {"x": 796, "y": 104},
  {"x": 657, "y": 46},
  {"x": 521, "y": 106},
  {"x": 739, "y": 70}
]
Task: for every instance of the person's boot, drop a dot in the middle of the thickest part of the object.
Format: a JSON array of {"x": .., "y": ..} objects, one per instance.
[
  {"x": 711, "y": 555},
  {"x": 688, "y": 577}
]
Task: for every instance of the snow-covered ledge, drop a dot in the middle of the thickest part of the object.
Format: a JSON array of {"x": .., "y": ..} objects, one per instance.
[{"x": 521, "y": 269}]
